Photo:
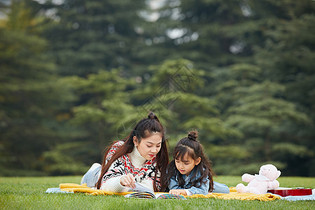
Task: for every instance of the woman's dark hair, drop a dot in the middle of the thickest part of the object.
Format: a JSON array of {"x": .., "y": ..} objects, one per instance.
[
  {"x": 143, "y": 129},
  {"x": 193, "y": 148}
]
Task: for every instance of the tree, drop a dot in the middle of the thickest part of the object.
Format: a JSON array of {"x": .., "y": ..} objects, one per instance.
[
  {"x": 88, "y": 36},
  {"x": 204, "y": 31},
  {"x": 172, "y": 94},
  {"x": 102, "y": 110},
  {"x": 274, "y": 37},
  {"x": 259, "y": 110},
  {"x": 287, "y": 55},
  {"x": 29, "y": 93}
]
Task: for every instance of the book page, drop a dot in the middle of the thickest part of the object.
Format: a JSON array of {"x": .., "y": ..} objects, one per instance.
[
  {"x": 140, "y": 188},
  {"x": 143, "y": 192}
]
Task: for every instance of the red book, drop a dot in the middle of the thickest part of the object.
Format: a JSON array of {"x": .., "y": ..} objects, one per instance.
[{"x": 291, "y": 192}]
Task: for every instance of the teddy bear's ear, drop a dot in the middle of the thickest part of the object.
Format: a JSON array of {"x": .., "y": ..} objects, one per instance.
[{"x": 278, "y": 174}]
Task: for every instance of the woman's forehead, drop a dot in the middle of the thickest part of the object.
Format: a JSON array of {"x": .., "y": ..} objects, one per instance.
[
  {"x": 154, "y": 138},
  {"x": 148, "y": 133}
]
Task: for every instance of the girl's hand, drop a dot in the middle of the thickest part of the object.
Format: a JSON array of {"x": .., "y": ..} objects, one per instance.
[
  {"x": 178, "y": 192},
  {"x": 128, "y": 181}
]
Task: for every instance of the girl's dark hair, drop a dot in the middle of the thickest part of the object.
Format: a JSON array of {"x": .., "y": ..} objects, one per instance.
[
  {"x": 143, "y": 129},
  {"x": 193, "y": 148}
]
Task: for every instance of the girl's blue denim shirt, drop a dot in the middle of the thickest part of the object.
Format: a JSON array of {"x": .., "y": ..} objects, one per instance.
[{"x": 202, "y": 189}]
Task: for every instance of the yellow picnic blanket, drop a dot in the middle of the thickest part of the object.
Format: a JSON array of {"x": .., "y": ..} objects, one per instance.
[
  {"x": 76, "y": 188},
  {"x": 239, "y": 196}
]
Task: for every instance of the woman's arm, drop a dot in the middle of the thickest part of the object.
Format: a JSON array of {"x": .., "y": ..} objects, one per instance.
[
  {"x": 119, "y": 183},
  {"x": 113, "y": 185},
  {"x": 111, "y": 179}
]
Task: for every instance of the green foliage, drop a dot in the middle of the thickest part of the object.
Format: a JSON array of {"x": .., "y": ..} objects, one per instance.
[
  {"x": 241, "y": 167},
  {"x": 88, "y": 36},
  {"x": 66, "y": 159},
  {"x": 76, "y": 75},
  {"x": 29, "y": 93},
  {"x": 102, "y": 112},
  {"x": 172, "y": 95},
  {"x": 212, "y": 128},
  {"x": 235, "y": 152},
  {"x": 283, "y": 150},
  {"x": 258, "y": 109}
]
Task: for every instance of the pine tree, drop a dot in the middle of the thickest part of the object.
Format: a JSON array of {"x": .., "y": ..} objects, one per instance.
[
  {"x": 29, "y": 93},
  {"x": 258, "y": 109},
  {"x": 88, "y": 36}
]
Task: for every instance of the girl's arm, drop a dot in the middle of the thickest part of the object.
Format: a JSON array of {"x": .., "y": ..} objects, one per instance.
[
  {"x": 220, "y": 188},
  {"x": 175, "y": 189},
  {"x": 173, "y": 184},
  {"x": 203, "y": 189}
]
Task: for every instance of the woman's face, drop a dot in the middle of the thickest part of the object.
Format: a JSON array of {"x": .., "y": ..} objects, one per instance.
[{"x": 150, "y": 146}]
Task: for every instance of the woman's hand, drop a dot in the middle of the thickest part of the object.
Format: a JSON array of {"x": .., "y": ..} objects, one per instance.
[
  {"x": 178, "y": 192},
  {"x": 128, "y": 181}
]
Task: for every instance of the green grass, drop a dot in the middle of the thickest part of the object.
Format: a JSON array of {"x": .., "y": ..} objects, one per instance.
[{"x": 29, "y": 193}]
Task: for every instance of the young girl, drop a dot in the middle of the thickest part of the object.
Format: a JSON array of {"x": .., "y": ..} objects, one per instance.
[
  {"x": 190, "y": 172},
  {"x": 141, "y": 158}
]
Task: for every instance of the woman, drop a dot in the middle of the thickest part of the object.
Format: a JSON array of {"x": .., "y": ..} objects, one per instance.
[{"x": 141, "y": 158}]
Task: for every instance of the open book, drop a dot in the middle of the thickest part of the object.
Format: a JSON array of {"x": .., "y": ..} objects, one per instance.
[{"x": 142, "y": 192}]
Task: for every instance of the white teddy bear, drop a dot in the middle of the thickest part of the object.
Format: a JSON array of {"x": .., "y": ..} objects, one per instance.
[{"x": 261, "y": 183}]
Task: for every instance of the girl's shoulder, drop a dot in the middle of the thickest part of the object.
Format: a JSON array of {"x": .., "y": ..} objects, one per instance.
[{"x": 199, "y": 173}]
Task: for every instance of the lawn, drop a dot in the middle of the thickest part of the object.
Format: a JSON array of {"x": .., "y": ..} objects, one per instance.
[{"x": 29, "y": 193}]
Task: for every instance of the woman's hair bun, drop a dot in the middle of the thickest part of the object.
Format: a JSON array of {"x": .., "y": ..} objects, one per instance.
[{"x": 193, "y": 135}]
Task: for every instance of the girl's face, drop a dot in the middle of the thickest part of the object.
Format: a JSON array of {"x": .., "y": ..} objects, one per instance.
[
  {"x": 186, "y": 164},
  {"x": 150, "y": 146}
]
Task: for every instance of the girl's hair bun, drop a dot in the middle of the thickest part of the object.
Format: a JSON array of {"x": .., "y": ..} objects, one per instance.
[
  {"x": 193, "y": 135},
  {"x": 152, "y": 116}
]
